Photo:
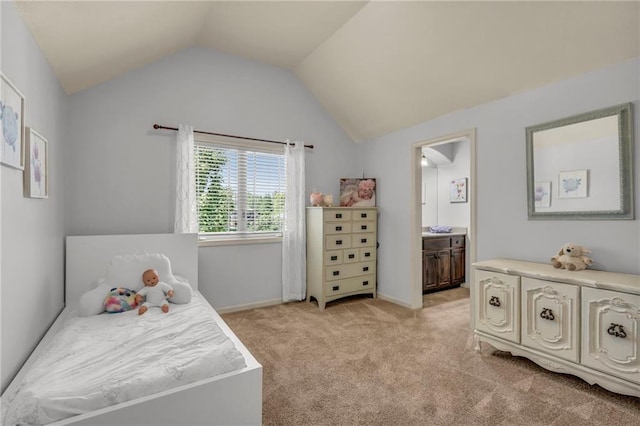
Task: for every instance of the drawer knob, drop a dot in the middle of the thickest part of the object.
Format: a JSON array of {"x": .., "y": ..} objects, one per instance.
[
  {"x": 365, "y": 268},
  {"x": 338, "y": 228},
  {"x": 338, "y": 242},
  {"x": 494, "y": 301},
  {"x": 334, "y": 257},
  {"x": 336, "y": 287},
  {"x": 367, "y": 254},
  {"x": 352, "y": 256},
  {"x": 338, "y": 215},
  {"x": 336, "y": 273},
  {"x": 547, "y": 314},
  {"x": 363, "y": 215},
  {"x": 365, "y": 282},
  {"x": 363, "y": 240},
  {"x": 617, "y": 330},
  {"x": 363, "y": 227}
]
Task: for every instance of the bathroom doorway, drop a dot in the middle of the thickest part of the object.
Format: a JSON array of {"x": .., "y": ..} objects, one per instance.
[{"x": 438, "y": 205}]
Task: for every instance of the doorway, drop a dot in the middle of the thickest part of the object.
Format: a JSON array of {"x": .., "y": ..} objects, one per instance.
[{"x": 416, "y": 208}]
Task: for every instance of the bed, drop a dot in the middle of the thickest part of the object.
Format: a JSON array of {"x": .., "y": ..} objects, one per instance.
[{"x": 215, "y": 380}]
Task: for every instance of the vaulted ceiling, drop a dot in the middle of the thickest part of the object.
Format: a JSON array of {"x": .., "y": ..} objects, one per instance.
[{"x": 376, "y": 66}]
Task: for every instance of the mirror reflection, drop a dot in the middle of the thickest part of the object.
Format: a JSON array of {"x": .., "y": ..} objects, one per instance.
[{"x": 580, "y": 167}]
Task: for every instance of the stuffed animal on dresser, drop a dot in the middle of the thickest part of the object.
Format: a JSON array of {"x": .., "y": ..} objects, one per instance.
[{"x": 571, "y": 257}]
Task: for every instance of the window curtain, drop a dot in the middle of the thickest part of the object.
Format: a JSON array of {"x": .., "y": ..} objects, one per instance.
[
  {"x": 294, "y": 258},
  {"x": 186, "y": 220}
]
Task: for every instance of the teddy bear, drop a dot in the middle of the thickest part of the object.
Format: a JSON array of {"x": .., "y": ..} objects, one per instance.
[{"x": 571, "y": 257}]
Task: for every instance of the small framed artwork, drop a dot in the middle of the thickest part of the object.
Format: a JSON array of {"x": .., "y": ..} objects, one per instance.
[
  {"x": 542, "y": 196},
  {"x": 355, "y": 192},
  {"x": 12, "y": 110},
  {"x": 36, "y": 171},
  {"x": 572, "y": 184},
  {"x": 458, "y": 190}
]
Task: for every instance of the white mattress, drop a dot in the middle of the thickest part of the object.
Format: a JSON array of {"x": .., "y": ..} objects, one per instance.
[{"x": 106, "y": 359}]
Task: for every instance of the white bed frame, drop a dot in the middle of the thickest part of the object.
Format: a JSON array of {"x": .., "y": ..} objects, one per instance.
[{"x": 233, "y": 398}]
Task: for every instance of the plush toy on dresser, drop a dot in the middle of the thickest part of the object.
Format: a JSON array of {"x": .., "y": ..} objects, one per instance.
[{"x": 571, "y": 257}]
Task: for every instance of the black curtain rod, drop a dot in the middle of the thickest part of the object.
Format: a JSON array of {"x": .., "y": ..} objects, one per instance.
[{"x": 157, "y": 126}]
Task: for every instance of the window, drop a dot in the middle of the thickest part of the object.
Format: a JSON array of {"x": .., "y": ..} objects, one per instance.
[{"x": 240, "y": 189}]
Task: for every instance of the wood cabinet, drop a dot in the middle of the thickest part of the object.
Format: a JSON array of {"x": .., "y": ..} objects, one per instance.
[
  {"x": 341, "y": 252},
  {"x": 585, "y": 323},
  {"x": 443, "y": 262}
]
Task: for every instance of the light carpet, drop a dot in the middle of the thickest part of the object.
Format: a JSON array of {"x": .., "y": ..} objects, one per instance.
[{"x": 366, "y": 361}]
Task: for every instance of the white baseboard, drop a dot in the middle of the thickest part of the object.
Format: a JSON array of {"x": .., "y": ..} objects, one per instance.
[
  {"x": 394, "y": 301},
  {"x": 248, "y": 306}
]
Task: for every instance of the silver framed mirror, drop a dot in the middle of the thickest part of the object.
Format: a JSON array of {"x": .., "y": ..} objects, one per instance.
[{"x": 581, "y": 167}]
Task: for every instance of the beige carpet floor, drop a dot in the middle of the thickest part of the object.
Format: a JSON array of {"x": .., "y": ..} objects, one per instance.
[{"x": 365, "y": 361}]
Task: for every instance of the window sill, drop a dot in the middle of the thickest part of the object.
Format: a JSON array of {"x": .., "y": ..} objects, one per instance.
[{"x": 235, "y": 241}]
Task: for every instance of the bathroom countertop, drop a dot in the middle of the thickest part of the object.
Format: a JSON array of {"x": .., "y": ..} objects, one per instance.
[{"x": 454, "y": 232}]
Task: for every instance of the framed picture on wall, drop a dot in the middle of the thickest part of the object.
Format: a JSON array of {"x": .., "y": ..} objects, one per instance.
[
  {"x": 572, "y": 184},
  {"x": 12, "y": 118},
  {"x": 36, "y": 171},
  {"x": 458, "y": 190},
  {"x": 543, "y": 194},
  {"x": 356, "y": 192}
]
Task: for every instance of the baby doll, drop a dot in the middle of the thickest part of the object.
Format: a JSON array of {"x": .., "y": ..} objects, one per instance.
[{"x": 155, "y": 290}]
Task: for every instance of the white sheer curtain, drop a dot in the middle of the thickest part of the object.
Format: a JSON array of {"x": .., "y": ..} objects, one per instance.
[
  {"x": 294, "y": 257},
  {"x": 186, "y": 207}
]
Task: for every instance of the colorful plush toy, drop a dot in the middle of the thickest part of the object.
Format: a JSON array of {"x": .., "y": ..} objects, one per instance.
[
  {"x": 120, "y": 299},
  {"x": 571, "y": 257}
]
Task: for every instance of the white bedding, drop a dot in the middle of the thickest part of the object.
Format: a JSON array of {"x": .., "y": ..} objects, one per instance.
[{"x": 102, "y": 360}]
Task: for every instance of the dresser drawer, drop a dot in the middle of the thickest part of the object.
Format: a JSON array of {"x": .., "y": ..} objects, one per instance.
[
  {"x": 337, "y": 228},
  {"x": 363, "y": 214},
  {"x": 342, "y": 215},
  {"x": 364, "y": 226},
  {"x": 611, "y": 332},
  {"x": 550, "y": 317},
  {"x": 333, "y": 242},
  {"x": 351, "y": 256},
  {"x": 368, "y": 253},
  {"x": 363, "y": 240},
  {"x": 350, "y": 284},
  {"x": 498, "y": 304},
  {"x": 333, "y": 257},
  {"x": 348, "y": 270}
]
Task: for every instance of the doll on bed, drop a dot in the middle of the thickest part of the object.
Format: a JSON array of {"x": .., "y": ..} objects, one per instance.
[{"x": 156, "y": 292}]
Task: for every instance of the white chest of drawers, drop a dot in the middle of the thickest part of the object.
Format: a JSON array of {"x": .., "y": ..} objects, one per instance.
[
  {"x": 585, "y": 323},
  {"x": 341, "y": 252}
]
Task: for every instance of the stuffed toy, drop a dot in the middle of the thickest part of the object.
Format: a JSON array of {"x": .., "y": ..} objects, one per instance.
[
  {"x": 571, "y": 257},
  {"x": 120, "y": 299},
  {"x": 155, "y": 292}
]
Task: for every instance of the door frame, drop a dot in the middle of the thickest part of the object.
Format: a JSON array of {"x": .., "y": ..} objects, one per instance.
[{"x": 415, "y": 221}]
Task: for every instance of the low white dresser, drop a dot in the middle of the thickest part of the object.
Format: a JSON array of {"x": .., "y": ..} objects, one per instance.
[
  {"x": 585, "y": 323},
  {"x": 341, "y": 252}
]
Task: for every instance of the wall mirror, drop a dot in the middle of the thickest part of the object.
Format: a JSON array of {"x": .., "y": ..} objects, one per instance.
[{"x": 581, "y": 167}]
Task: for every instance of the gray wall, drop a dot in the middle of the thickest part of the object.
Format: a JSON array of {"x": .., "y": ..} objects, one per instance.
[
  {"x": 120, "y": 177},
  {"x": 32, "y": 229},
  {"x": 502, "y": 226}
]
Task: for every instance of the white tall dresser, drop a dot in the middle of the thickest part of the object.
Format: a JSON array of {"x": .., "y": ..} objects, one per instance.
[{"x": 341, "y": 252}]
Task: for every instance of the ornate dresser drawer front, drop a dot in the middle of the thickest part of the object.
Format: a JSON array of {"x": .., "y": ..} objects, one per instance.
[
  {"x": 339, "y": 272},
  {"x": 333, "y": 257},
  {"x": 334, "y": 242},
  {"x": 611, "y": 332},
  {"x": 498, "y": 309},
  {"x": 350, "y": 285},
  {"x": 337, "y": 228},
  {"x": 550, "y": 317},
  {"x": 342, "y": 215},
  {"x": 363, "y": 240}
]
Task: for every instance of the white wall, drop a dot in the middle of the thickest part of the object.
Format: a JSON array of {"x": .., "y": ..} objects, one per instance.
[
  {"x": 454, "y": 214},
  {"x": 32, "y": 229},
  {"x": 121, "y": 171},
  {"x": 503, "y": 229}
]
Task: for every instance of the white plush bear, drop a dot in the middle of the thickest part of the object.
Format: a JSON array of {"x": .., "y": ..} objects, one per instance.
[{"x": 571, "y": 257}]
